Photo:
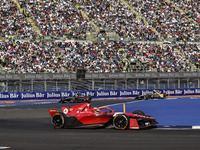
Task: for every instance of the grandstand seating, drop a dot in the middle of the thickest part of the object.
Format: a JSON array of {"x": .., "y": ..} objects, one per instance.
[
  {"x": 59, "y": 18},
  {"x": 167, "y": 19},
  {"x": 13, "y": 22},
  {"x": 113, "y": 15},
  {"x": 190, "y": 8},
  {"x": 35, "y": 57},
  {"x": 63, "y": 20}
]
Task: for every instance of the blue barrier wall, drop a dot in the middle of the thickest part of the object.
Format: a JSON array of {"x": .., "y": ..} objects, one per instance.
[{"x": 94, "y": 94}]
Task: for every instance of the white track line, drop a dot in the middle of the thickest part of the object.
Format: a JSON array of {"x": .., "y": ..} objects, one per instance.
[
  {"x": 195, "y": 127},
  {"x": 4, "y": 147}
]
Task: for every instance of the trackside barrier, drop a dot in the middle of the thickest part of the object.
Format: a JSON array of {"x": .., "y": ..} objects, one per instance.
[{"x": 95, "y": 94}]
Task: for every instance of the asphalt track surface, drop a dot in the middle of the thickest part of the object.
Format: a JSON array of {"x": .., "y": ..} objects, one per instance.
[{"x": 28, "y": 127}]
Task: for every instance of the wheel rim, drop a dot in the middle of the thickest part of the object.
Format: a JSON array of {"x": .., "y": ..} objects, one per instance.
[
  {"x": 120, "y": 122},
  {"x": 58, "y": 120}
]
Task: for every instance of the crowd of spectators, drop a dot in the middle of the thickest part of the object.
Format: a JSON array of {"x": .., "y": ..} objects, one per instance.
[
  {"x": 63, "y": 18},
  {"x": 190, "y": 7},
  {"x": 115, "y": 57},
  {"x": 58, "y": 18},
  {"x": 13, "y": 23},
  {"x": 113, "y": 15},
  {"x": 191, "y": 52},
  {"x": 167, "y": 20}
]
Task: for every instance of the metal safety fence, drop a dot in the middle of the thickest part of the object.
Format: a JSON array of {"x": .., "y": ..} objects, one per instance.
[{"x": 97, "y": 81}]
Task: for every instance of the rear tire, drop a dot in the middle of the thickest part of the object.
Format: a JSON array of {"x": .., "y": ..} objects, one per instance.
[
  {"x": 121, "y": 122},
  {"x": 58, "y": 120},
  {"x": 138, "y": 112}
]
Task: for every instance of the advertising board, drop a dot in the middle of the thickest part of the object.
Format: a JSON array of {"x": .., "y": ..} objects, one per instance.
[{"x": 95, "y": 94}]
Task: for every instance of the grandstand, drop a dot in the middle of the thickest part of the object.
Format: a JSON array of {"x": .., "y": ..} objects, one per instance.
[{"x": 108, "y": 36}]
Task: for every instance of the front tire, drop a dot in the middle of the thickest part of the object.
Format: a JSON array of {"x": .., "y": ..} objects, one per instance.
[
  {"x": 138, "y": 112},
  {"x": 58, "y": 120},
  {"x": 121, "y": 122}
]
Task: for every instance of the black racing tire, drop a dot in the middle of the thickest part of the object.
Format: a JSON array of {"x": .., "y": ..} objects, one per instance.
[
  {"x": 58, "y": 120},
  {"x": 138, "y": 112},
  {"x": 121, "y": 122}
]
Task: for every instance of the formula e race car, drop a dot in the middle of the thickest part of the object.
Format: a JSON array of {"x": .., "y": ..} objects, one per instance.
[
  {"x": 153, "y": 95},
  {"x": 83, "y": 115},
  {"x": 76, "y": 99}
]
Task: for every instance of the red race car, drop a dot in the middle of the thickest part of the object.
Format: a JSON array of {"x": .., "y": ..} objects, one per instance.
[{"x": 83, "y": 115}]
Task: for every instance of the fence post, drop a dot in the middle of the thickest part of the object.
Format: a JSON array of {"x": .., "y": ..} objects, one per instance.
[
  {"x": 31, "y": 85},
  {"x": 69, "y": 85},
  {"x": 115, "y": 84},
  {"x": 126, "y": 84},
  {"x": 93, "y": 84},
  {"x": 7, "y": 86},
  {"x": 56, "y": 85},
  {"x": 20, "y": 86},
  {"x": 168, "y": 83},
  {"x": 45, "y": 85}
]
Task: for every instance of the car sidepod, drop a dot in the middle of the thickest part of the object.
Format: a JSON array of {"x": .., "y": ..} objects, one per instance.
[{"x": 60, "y": 120}]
